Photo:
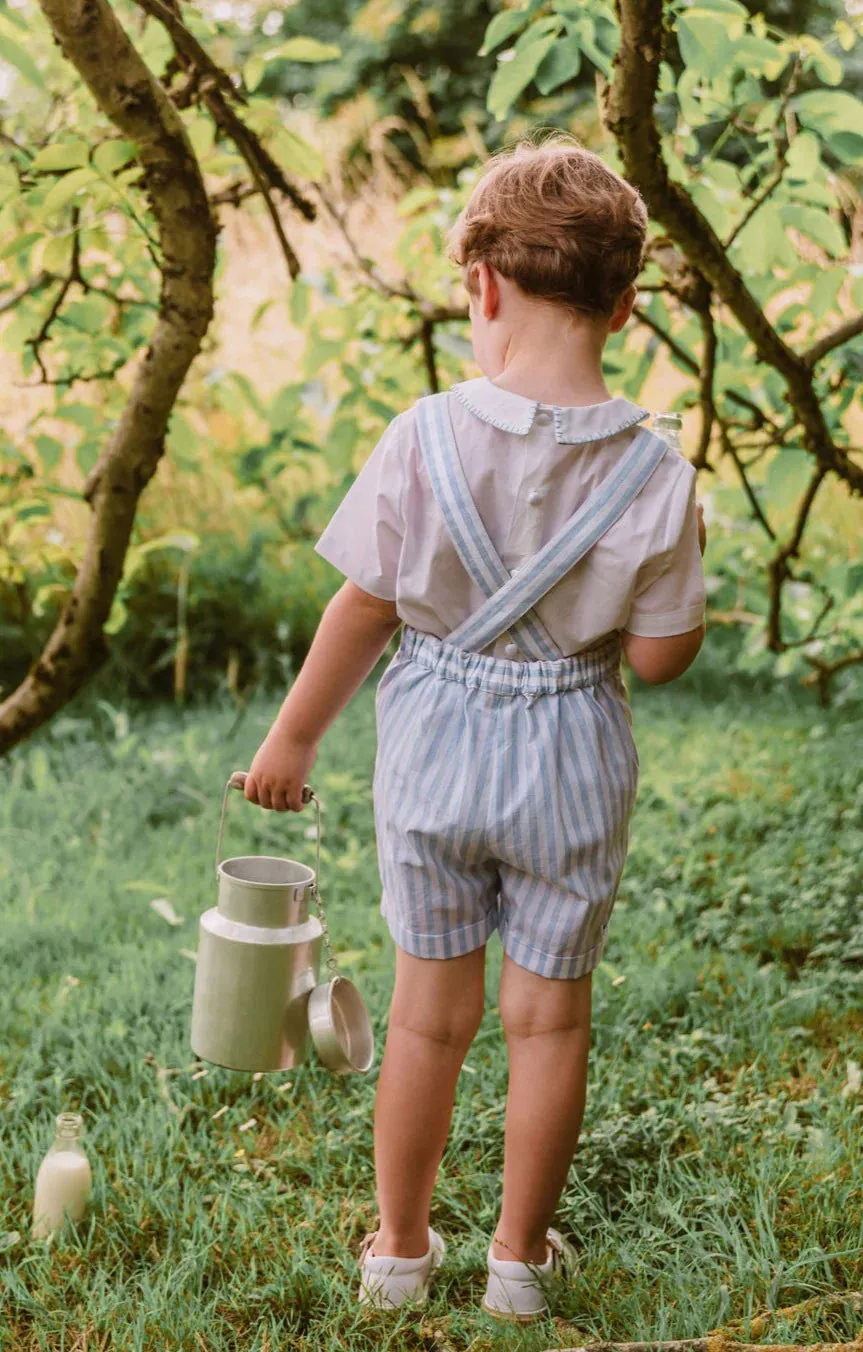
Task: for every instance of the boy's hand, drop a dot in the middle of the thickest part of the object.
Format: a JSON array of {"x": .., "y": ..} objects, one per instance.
[
  {"x": 280, "y": 771},
  {"x": 702, "y": 529}
]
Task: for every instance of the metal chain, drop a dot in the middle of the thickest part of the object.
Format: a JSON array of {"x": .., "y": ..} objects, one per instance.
[{"x": 309, "y": 796}]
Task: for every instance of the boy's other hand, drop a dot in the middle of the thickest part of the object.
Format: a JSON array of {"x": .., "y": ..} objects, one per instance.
[
  {"x": 279, "y": 772},
  {"x": 702, "y": 529}
]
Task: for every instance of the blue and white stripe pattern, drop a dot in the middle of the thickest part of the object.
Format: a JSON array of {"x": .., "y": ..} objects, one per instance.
[
  {"x": 463, "y": 521},
  {"x": 504, "y": 790},
  {"x": 503, "y": 793}
]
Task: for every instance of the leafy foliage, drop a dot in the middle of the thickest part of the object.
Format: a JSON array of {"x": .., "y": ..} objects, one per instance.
[{"x": 759, "y": 125}]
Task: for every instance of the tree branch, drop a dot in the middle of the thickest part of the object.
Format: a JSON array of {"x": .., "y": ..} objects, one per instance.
[
  {"x": 12, "y": 298},
  {"x": 779, "y": 571},
  {"x": 429, "y": 355},
  {"x": 824, "y": 672},
  {"x": 216, "y": 88},
  {"x": 630, "y": 117},
  {"x": 731, "y": 451},
  {"x": 843, "y": 334},
  {"x": 782, "y": 143},
  {"x": 97, "y": 46}
]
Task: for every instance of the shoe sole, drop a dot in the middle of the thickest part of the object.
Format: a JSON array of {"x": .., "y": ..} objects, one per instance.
[{"x": 513, "y": 1316}]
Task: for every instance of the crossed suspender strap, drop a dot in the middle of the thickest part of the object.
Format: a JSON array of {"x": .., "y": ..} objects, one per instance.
[
  {"x": 469, "y": 536},
  {"x": 508, "y": 607}
]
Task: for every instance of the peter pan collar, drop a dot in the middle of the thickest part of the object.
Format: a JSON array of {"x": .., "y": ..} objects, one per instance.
[{"x": 572, "y": 424}]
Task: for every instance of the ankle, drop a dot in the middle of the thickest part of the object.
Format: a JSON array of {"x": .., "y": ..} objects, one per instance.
[
  {"x": 408, "y": 1244},
  {"x": 520, "y": 1249}
]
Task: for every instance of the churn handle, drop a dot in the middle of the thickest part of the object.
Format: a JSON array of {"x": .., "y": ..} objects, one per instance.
[{"x": 238, "y": 781}]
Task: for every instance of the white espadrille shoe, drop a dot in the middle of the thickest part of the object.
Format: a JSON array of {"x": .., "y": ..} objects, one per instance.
[
  {"x": 518, "y": 1291},
  {"x": 388, "y": 1282}
]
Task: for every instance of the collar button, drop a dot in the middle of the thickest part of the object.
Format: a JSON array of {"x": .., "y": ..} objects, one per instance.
[{"x": 543, "y": 418}]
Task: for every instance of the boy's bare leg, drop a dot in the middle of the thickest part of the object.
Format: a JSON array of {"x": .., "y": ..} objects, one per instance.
[
  {"x": 546, "y": 1022},
  {"x": 436, "y": 1009}
]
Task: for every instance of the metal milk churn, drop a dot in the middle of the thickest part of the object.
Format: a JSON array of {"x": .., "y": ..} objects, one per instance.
[{"x": 257, "y": 998}]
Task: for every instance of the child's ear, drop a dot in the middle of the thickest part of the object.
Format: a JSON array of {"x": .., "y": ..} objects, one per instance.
[
  {"x": 489, "y": 291},
  {"x": 623, "y": 309}
]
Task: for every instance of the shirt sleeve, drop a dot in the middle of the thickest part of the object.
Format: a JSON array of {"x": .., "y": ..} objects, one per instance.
[
  {"x": 364, "y": 536},
  {"x": 669, "y": 595}
]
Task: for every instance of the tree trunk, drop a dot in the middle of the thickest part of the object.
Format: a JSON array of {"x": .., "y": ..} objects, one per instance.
[{"x": 96, "y": 45}]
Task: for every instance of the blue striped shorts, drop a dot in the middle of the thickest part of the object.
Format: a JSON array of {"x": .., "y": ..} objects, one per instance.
[{"x": 503, "y": 794}]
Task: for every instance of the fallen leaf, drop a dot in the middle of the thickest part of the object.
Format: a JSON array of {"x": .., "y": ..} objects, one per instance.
[
  {"x": 163, "y": 907},
  {"x": 854, "y": 1082}
]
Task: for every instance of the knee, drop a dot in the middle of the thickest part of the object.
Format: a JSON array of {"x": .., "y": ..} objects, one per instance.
[
  {"x": 454, "y": 1025},
  {"x": 544, "y": 1005}
]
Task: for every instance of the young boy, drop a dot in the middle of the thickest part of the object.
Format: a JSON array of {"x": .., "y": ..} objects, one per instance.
[{"x": 523, "y": 528}]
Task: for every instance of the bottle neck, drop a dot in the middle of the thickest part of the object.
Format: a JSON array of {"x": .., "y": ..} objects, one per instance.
[{"x": 69, "y": 1129}]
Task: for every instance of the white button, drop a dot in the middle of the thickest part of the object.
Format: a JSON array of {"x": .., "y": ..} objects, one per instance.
[
  {"x": 514, "y": 571},
  {"x": 543, "y": 417},
  {"x": 534, "y": 497},
  {"x": 511, "y": 650}
]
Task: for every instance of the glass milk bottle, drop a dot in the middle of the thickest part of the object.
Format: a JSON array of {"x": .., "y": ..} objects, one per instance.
[
  {"x": 669, "y": 426},
  {"x": 64, "y": 1181}
]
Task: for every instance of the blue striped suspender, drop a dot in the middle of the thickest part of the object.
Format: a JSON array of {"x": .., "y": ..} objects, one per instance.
[
  {"x": 510, "y": 599},
  {"x": 463, "y": 521}
]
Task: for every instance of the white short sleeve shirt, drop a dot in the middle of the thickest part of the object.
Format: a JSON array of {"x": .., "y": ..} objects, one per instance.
[{"x": 529, "y": 467}]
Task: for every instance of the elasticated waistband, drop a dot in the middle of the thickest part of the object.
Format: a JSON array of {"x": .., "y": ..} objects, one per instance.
[{"x": 501, "y": 677}]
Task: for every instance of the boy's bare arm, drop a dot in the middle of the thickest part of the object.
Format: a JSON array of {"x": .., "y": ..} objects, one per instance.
[
  {"x": 353, "y": 633},
  {"x": 657, "y": 660}
]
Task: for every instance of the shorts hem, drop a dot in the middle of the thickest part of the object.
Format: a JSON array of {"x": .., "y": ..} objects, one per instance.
[
  {"x": 453, "y": 944},
  {"x": 560, "y": 966}
]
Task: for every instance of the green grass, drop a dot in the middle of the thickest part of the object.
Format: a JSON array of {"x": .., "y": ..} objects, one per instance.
[{"x": 718, "y": 1173}]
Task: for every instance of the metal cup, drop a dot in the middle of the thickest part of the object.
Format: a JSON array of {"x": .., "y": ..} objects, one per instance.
[{"x": 340, "y": 1027}]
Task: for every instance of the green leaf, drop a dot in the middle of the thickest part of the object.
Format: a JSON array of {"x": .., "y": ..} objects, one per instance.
[
  {"x": 732, "y": 7},
  {"x": 804, "y": 156},
  {"x": 297, "y": 155},
  {"x": 50, "y": 451},
  {"x": 298, "y": 305},
  {"x": 57, "y": 253},
  {"x": 816, "y": 225},
  {"x": 502, "y": 27},
  {"x": 825, "y": 292},
  {"x": 86, "y": 456},
  {"x": 416, "y": 198},
  {"x": 762, "y": 243},
  {"x": 253, "y": 70},
  {"x": 760, "y": 56},
  {"x": 559, "y": 65},
  {"x": 61, "y": 155},
  {"x": 704, "y": 42},
  {"x": 82, "y": 415},
  {"x": 304, "y": 49},
  {"x": 112, "y": 155},
  {"x": 788, "y": 473},
  {"x": 828, "y": 66},
  {"x": 21, "y": 60},
  {"x": 319, "y": 352},
  {"x": 829, "y": 111},
  {"x": 20, "y": 243},
  {"x": 285, "y": 408},
  {"x": 846, "y": 146},
  {"x": 514, "y": 75},
  {"x": 68, "y": 187}
]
